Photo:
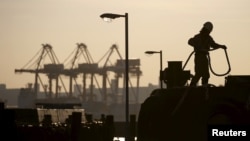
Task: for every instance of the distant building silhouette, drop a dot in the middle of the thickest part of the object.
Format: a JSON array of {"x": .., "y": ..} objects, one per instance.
[{"x": 25, "y": 98}]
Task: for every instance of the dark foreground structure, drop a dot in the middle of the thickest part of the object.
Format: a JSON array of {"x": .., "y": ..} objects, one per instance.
[
  {"x": 190, "y": 113},
  {"x": 177, "y": 113},
  {"x": 23, "y": 125}
]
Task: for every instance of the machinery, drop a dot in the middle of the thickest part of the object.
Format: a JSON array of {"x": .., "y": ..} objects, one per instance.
[
  {"x": 174, "y": 75},
  {"x": 53, "y": 70},
  {"x": 181, "y": 112},
  {"x": 95, "y": 98}
]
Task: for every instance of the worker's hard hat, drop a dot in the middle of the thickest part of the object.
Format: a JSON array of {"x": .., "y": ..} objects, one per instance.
[{"x": 208, "y": 26}]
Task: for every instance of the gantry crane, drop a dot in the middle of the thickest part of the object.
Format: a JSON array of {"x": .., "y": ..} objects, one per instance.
[
  {"x": 107, "y": 68},
  {"x": 86, "y": 67},
  {"x": 119, "y": 69},
  {"x": 53, "y": 70}
]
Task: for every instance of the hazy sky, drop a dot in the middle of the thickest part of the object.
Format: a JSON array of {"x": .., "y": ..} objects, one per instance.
[{"x": 153, "y": 25}]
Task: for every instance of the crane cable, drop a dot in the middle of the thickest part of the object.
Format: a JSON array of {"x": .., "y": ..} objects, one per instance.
[{"x": 209, "y": 62}]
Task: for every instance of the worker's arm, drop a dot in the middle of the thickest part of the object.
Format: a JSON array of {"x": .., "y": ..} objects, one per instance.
[
  {"x": 216, "y": 45},
  {"x": 196, "y": 43},
  {"x": 192, "y": 42}
]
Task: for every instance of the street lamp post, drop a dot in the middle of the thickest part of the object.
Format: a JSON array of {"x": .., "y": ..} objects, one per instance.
[
  {"x": 160, "y": 52},
  {"x": 113, "y": 16}
]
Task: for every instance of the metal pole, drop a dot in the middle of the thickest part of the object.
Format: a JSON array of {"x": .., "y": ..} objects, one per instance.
[
  {"x": 113, "y": 16},
  {"x": 161, "y": 67},
  {"x": 127, "y": 77}
]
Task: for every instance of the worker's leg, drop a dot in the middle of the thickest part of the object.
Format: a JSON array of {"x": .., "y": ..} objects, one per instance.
[
  {"x": 194, "y": 80},
  {"x": 205, "y": 72},
  {"x": 198, "y": 72}
]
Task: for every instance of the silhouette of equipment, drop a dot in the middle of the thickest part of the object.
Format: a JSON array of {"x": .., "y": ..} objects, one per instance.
[
  {"x": 52, "y": 70},
  {"x": 97, "y": 97},
  {"x": 174, "y": 75}
]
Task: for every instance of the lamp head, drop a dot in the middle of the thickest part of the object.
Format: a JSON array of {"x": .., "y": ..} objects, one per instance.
[
  {"x": 109, "y": 16},
  {"x": 151, "y": 52}
]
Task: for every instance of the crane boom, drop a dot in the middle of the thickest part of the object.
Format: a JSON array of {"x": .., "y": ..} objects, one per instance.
[{"x": 52, "y": 70}]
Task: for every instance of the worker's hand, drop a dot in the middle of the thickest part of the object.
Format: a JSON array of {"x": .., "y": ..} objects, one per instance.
[{"x": 224, "y": 47}]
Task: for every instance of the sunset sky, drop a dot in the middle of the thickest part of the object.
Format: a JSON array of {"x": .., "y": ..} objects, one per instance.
[{"x": 153, "y": 25}]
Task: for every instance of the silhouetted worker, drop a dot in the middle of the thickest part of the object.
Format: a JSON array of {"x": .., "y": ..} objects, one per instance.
[{"x": 202, "y": 43}]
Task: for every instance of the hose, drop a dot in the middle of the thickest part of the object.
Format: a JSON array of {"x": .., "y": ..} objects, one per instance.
[
  {"x": 209, "y": 62},
  {"x": 180, "y": 102},
  {"x": 228, "y": 63}
]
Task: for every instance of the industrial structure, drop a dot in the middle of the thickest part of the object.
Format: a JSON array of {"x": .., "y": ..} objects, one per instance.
[
  {"x": 183, "y": 111},
  {"x": 80, "y": 64}
]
